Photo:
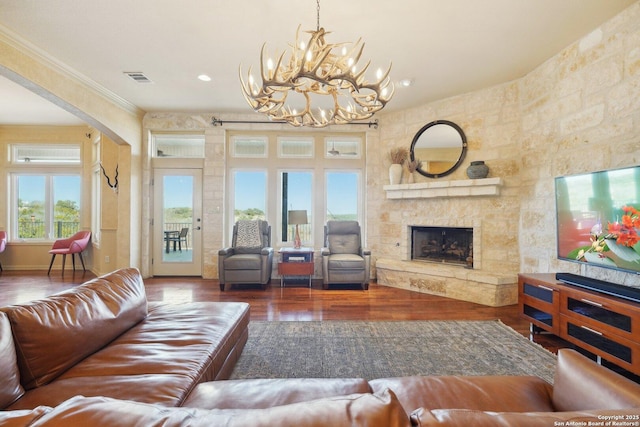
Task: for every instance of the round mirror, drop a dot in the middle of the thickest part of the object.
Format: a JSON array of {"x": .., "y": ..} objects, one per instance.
[{"x": 440, "y": 146}]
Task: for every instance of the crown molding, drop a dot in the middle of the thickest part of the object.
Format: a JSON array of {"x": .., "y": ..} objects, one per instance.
[{"x": 37, "y": 54}]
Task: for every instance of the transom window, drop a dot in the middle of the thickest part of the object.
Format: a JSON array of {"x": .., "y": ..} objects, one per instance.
[
  {"x": 46, "y": 154},
  {"x": 178, "y": 145}
]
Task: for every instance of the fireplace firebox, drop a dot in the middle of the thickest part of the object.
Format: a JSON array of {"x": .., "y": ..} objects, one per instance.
[{"x": 453, "y": 245}]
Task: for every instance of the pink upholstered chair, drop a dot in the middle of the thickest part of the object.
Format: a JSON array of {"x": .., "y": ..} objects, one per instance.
[
  {"x": 72, "y": 245},
  {"x": 3, "y": 243}
]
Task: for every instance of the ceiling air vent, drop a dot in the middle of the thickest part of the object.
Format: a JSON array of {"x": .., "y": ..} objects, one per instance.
[{"x": 138, "y": 77}]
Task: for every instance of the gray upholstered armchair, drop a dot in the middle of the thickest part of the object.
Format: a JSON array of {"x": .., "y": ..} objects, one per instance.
[
  {"x": 343, "y": 258},
  {"x": 250, "y": 257}
]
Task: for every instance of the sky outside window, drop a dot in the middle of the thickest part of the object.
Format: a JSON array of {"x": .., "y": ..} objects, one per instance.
[{"x": 342, "y": 196}]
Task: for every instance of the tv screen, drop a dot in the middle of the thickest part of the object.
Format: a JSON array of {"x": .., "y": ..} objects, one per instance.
[{"x": 598, "y": 219}]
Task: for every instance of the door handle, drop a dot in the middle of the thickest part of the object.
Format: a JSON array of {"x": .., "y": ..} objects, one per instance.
[{"x": 198, "y": 228}]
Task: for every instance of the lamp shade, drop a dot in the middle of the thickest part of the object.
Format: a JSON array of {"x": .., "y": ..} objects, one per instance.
[{"x": 298, "y": 217}]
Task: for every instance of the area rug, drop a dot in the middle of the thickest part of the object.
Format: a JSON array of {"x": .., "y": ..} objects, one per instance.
[{"x": 372, "y": 349}]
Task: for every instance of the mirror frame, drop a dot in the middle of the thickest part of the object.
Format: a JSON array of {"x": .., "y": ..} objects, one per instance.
[{"x": 463, "y": 149}]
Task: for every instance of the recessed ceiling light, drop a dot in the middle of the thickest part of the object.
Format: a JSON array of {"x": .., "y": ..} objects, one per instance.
[
  {"x": 406, "y": 82},
  {"x": 204, "y": 78}
]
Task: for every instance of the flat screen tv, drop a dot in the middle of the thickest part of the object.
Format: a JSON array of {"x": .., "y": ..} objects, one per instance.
[{"x": 598, "y": 219}]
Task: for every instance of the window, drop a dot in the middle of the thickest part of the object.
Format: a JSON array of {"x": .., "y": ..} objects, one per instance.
[
  {"x": 180, "y": 146},
  {"x": 342, "y": 148},
  {"x": 45, "y": 190},
  {"x": 249, "y": 146},
  {"x": 46, "y": 154},
  {"x": 295, "y": 193},
  {"x": 343, "y": 197},
  {"x": 295, "y": 147},
  {"x": 47, "y": 206},
  {"x": 273, "y": 173},
  {"x": 249, "y": 195}
]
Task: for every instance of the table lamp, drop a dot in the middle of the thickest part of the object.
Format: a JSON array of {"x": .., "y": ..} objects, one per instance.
[{"x": 297, "y": 218}]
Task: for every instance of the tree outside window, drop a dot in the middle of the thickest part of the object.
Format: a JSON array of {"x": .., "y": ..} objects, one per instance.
[{"x": 48, "y": 206}]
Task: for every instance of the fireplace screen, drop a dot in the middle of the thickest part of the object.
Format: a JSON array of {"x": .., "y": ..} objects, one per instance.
[{"x": 442, "y": 244}]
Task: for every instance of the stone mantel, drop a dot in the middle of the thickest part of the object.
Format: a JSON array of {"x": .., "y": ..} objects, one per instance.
[{"x": 455, "y": 188}]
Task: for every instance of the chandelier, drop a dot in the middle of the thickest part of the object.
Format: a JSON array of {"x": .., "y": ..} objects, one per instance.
[{"x": 317, "y": 84}]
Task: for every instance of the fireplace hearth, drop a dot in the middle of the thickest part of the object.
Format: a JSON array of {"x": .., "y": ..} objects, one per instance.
[{"x": 449, "y": 245}]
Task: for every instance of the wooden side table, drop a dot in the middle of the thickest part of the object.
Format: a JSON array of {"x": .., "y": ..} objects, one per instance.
[{"x": 295, "y": 262}]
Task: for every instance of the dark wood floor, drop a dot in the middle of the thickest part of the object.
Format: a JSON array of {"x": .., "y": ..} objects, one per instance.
[{"x": 293, "y": 302}]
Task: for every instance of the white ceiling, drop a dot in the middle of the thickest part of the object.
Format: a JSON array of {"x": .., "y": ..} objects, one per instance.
[{"x": 446, "y": 47}]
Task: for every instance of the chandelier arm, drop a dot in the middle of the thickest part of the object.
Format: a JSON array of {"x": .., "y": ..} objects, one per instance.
[
  {"x": 318, "y": 60},
  {"x": 278, "y": 70},
  {"x": 357, "y": 57},
  {"x": 296, "y": 47},
  {"x": 245, "y": 92},
  {"x": 359, "y": 76},
  {"x": 385, "y": 75},
  {"x": 264, "y": 76},
  {"x": 378, "y": 88},
  {"x": 338, "y": 64},
  {"x": 308, "y": 48}
]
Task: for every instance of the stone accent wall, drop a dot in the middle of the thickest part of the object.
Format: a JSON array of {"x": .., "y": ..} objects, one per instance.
[
  {"x": 491, "y": 121},
  {"x": 580, "y": 113},
  {"x": 577, "y": 112}
]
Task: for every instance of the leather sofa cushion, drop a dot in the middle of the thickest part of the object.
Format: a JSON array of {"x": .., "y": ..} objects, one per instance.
[
  {"x": 465, "y": 418},
  {"x": 22, "y": 418},
  {"x": 159, "y": 360},
  {"x": 55, "y": 333},
  {"x": 581, "y": 384},
  {"x": 10, "y": 388},
  {"x": 371, "y": 410},
  {"x": 484, "y": 393},
  {"x": 265, "y": 393}
]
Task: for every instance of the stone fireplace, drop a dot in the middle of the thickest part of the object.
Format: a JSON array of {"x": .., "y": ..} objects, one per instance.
[
  {"x": 448, "y": 245},
  {"x": 450, "y": 262},
  {"x": 446, "y": 260}
]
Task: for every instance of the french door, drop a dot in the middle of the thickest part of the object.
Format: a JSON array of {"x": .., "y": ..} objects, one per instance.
[{"x": 177, "y": 222}]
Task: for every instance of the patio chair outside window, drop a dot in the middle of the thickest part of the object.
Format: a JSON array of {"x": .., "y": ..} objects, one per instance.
[{"x": 178, "y": 238}]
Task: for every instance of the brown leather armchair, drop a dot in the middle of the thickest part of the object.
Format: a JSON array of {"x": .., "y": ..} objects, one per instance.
[
  {"x": 249, "y": 259},
  {"x": 343, "y": 258}
]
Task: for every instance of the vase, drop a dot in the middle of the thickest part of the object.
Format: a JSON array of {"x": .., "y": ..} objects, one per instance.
[
  {"x": 477, "y": 170},
  {"x": 410, "y": 178},
  {"x": 395, "y": 174}
]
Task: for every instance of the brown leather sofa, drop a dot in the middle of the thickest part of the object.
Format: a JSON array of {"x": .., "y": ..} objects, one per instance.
[
  {"x": 103, "y": 338},
  {"x": 153, "y": 374},
  {"x": 584, "y": 393}
]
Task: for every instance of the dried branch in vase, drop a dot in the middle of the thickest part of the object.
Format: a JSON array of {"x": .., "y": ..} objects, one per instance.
[
  {"x": 399, "y": 155},
  {"x": 413, "y": 165}
]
